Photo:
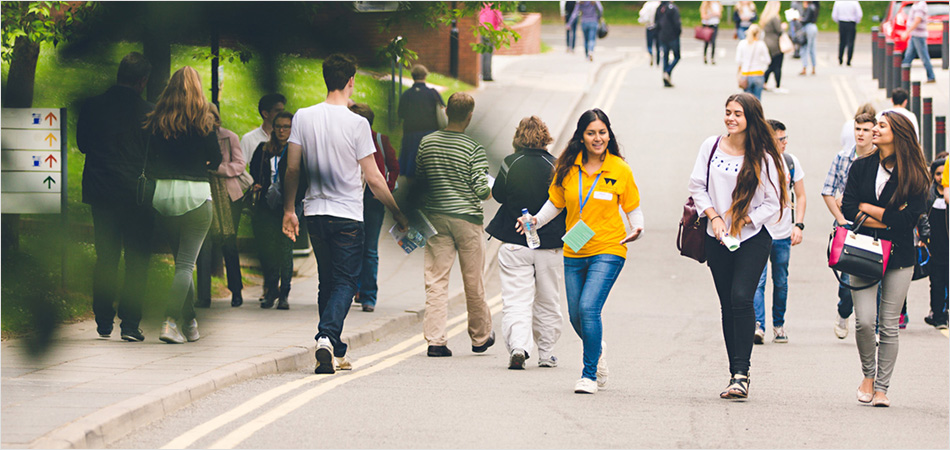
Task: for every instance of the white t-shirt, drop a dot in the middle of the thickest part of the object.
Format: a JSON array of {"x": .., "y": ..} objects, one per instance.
[
  {"x": 334, "y": 139},
  {"x": 847, "y": 135},
  {"x": 251, "y": 140},
  {"x": 906, "y": 113},
  {"x": 783, "y": 228},
  {"x": 752, "y": 57},
  {"x": 723, "y": 173}
]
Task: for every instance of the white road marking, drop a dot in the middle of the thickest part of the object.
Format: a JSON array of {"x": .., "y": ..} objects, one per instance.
[
  {"x": 615, "y": 89},
  {"x": 846, "y": 109}
]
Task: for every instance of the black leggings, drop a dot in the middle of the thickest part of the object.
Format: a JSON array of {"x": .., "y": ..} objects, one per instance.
[
  {"x": 736, "y": 275},
  {"x": 776, "y": 68},
  {"x": 712, "y": 41}
]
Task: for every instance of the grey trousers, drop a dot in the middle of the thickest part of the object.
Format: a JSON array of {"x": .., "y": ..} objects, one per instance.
[{"x": 878, "y": 361}]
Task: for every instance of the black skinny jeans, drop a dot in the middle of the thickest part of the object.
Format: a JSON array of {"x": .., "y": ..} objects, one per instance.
[
  {"x": 712, "y": 42},
  {"x": 846, "y": 33},
  {"x": 939, "y": 265},
  {"x": 736, "y": 275},
  {"x": 118, "y": 228},
  {"x": 775, "y": 67}
]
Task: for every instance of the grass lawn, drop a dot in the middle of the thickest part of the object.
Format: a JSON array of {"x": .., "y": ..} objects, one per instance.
[
  {"x": 32, "y": 277},
  {"x": 627, "y": 13}
]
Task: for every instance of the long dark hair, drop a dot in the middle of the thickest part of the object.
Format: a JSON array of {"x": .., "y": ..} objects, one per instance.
[
  {"x": 273, "y": 145},
  {"x": 910, "y": 169},
  {"x": 566, "y": 161},
  {"x": 759, "y": 141}
]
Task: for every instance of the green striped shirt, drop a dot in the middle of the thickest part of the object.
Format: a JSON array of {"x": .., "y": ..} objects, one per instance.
[{"x": 454, "y": 169}]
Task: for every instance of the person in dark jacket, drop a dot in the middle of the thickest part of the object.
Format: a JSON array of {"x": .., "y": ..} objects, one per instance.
[
  {"x": 109, "y": 133},
  {"x": 938, "y": 246},
  {"x": 669, "y": 27},
  {"x": 183, "y": 148},
  {"x": 417, "y": 111},
  {"x": 887, "y": 190},
  {"x": 529, "y": 277}
]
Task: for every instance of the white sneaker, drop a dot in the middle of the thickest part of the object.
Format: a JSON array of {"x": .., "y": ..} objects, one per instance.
[
  {"x": 585, "y": 386},
  {"x": 841, "y": 327},
  {"x": 550, "y": 361},
  {"x": 324, "y": 356},
  {"x": 780, "y": 91},
  {"x": 602, "y": 369},
  {"x": 342, "y": 363},
  {"x": 759, "y": 337},
  {"x": 779, "y": 335},
  {"x": 190, "y": 331}
]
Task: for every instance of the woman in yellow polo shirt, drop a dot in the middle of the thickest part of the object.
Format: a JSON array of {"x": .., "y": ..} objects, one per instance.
[{"x": 591, "y": 181}]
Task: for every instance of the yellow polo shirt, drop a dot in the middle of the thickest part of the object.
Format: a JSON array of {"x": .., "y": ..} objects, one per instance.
[
  {"x": 945, "y": 180},
  {"x": 615, "y": 190}
]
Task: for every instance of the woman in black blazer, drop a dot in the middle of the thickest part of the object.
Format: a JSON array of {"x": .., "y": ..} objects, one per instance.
[{"x": 889, "y": 186}]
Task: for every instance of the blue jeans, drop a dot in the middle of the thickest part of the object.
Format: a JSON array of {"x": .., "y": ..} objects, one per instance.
[
  {"x": 756, "y": 83},
  {"x": 186, "y": 233},
  {"x": 373, "y": 214},
  {"x": 590, "y": 36},
  {"x": 572, "y": 36},
  {"x": 845, "y": 303},
  {"x": 779, "y": 257},
  {"x": 917, "y": 47},
  {"x": 653, "y": 41},
  {"x": 666, "y": 48},
  {"x": 338, "y": 246},
  {"x": 740, "y": 32},
  {"x": 811, "y": 36},
  {"x": 587, "y": 282}
]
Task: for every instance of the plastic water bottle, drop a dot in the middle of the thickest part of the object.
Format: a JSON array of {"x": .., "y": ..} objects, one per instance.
[{"x": 530, "y": 233}]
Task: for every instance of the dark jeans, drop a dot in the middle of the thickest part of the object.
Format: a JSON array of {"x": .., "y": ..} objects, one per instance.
[
  {"x": 712, "y": 41},
  {"x": 775, "y": 67},
  {"x": 410, "y": 146},
  {"x": 653, "y": 43},
  {"x": 373, "y": 214},
  {"x": 571, "y": 34},
  {"x": 338, "y": 246},
  {"x": 666, "y": 48},
  {"x": 736, "y": 275},
  {"x": 117, "y": 228},
  {"x": 846, "y": 32},
  {"x": 186, "y": 234},
  {"x": 232, "y": 261},
  {"x": 938, "y": 259},
  {"x": 274, "y": 250},
  {"x": 486, "y": 59}
]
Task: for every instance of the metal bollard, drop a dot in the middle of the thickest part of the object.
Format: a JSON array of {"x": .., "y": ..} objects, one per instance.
[
  {"x": 927, "y": 129},
  {"x": 905, "y": 77},
  {"x": 880, "y": 60},
  {"x": 896, "y": 71},
  {"x": 875, "y": 71},
  {"x": 886, "y": 67},
  {"x": 915, "y": 99},
  {"x": 945, "y": 46},
  {"x": 940, "y": 135}
]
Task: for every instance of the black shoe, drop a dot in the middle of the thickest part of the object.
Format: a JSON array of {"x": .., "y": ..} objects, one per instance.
[
  {"x": 237, "y": 300},
  {"x": 133, "y": 335},
  {"x": 282, "y": 303},
  {"x": 929, "y": 319},
  {"x": 488, "y": 343},
  {"x": 104, "y": 332},
  {"x": 206, "y": 303},
  {"x": 437, "y": 351},
  {"x": 369, "y": 308},
  {"x": 267, "y": 302}
]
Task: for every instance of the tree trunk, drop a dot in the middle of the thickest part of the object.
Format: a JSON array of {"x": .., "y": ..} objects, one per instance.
[
  {"x": 157, "y": 48},
  {"x": 18, "y": 93}
]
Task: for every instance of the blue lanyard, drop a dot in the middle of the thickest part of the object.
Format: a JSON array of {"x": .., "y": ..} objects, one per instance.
[
  {"x": 580, "y": 189},
  {"x": 277, "y": 159}
]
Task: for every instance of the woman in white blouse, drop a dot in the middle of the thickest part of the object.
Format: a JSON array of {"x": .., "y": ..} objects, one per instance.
[
  {"x": 736, "y": 184},
  {"x": 753, "y": 58}
]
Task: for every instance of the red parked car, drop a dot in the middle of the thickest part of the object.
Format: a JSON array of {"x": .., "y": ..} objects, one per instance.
[{"x": 895, "y": 23}]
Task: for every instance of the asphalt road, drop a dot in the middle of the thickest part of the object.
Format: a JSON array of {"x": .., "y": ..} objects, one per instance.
[{"x": 666, "y": 354}]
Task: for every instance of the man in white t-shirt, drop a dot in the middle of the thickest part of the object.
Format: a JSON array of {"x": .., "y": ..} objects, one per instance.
[
  {"x": 785, "y": 233},
  {"x": 268, "y": 107},
  {"x": 334, "y": 145}
]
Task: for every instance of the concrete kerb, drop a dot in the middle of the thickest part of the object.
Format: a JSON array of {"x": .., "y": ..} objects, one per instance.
[{"x": 103, "y": 427}]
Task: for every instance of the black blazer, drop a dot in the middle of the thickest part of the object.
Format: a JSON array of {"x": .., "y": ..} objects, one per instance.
[
  {"x": 900, "y": 219},
  {"x": 187, "y": 157},
  {"x": 109, "y": 132},
  {"x": 523, "y": 182}
]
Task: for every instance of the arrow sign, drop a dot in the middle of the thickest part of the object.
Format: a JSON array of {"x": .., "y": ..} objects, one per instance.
[
  {"x": 50, "y": 138},
  {"x": 49, "y": 182},
  {"x": 51, "y": 117},
  {"x": 50, "y": 159}
]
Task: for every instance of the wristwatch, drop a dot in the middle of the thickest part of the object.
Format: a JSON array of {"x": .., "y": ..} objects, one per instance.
[{"x": 800, "y": 226}]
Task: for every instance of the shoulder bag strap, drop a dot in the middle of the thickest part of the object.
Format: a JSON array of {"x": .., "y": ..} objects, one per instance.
[{"x": 709, "y": 162}]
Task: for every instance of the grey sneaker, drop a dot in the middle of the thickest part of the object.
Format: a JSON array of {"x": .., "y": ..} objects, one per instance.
[
  {"x": 602, "y": 370},
  {"x": 170, "y": 333},
  {"x": 516, "y": 360},
  {"x": 324, "y": 356},
  {"x": 190, "y": 330},
  {"x": 550, "y": 361},
  {"x": 779, "y": 335},
  {"x": 759, "y": 337},
  {"x": 841, "y": 326}
]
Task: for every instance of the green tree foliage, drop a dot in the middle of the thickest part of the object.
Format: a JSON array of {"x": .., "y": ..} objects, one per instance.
[{"x": 39, "y": 22}]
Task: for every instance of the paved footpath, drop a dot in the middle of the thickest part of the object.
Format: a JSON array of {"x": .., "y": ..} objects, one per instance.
[{"x": 88, "y": 392}]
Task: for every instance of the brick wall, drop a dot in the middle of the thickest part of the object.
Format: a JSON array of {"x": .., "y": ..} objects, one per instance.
[{"x": 530, "y": 42}]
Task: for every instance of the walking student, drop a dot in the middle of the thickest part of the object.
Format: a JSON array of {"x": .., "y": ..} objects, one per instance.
[
  {"x": 109, "y": 133},
  {"x": 887, "y": 191},
  {"x": 453, "y": 168},
  {"x": 753, "y": 58},
  {"x": 374, "y": 211},
  {"x": 916, "y": 37},
  {"x": 274, "y": 250},
  {"x": 669, "y": 27},
  {"x": 268, "y": 107},
  {"x": 937, "y": 245},
  {"x": 711, "y": 14},
  {"x": 595, "y": 245},
  {"x": 785, "y": 233},
  {"x": 334, "y": 148},
  {"x": 590, "y": 14},
  {"x": 810, "y": 27},
  {"x": 647, "y": 18},
  {"x": 745, "y": 190},
  {"x": 772, "y": 28},
  {"x": 847, "y": 15},
  {"x": 417, "y": 110},
  {"x": 530, "y": 278},
  {"x": 183, "y": 147},
  {"x": 831, "y": 194},
  {"x": 567, "y": 8}
]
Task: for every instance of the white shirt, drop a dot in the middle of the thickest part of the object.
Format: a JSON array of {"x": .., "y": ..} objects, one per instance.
[
  {"x": 782, "y": 229},
  {"x": 881, "y": 180},
  {"x": 251, "y": 140},
  {"x": 847, "y": 135},
  {"x": 846, "y": 12},
  {"x": 753, "y": 58},
  {"x": 723, "y": 172},
  {"x": 648, "y": 13},
  {"x": 334, "y": 139}
]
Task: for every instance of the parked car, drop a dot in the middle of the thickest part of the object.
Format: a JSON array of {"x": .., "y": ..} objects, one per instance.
[{"x": 895, "y": 22}]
